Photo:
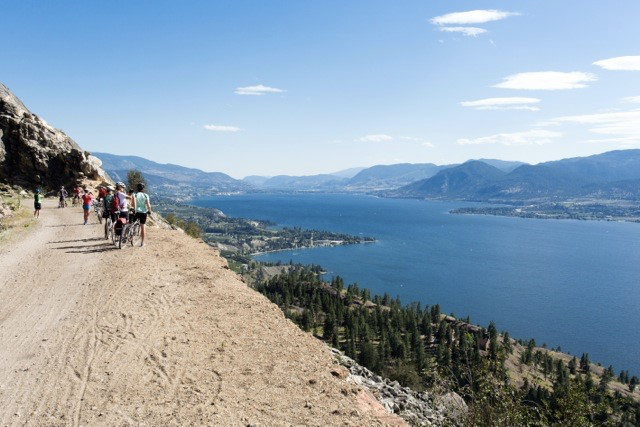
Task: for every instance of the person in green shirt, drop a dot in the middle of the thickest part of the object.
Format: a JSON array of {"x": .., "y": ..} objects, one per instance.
[
  {"x": 142, "y": 207},
  {"x": 37, "y": 203}
]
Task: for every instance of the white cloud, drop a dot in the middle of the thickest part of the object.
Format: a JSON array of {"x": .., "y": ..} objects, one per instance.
[
  {"x": 467, "y": 31},
  {"x": 472, "y": 17},
  {"x": 622, "y": 126},
  {"x": 257, "y": 90},
  {"x": 420, "y": 140},
  {"x": 531, "y": 137},
  {"x": 620, "y": 63},
  {"x": 632, "y": 99},
  {"x": 506, "y": 103},
  {"x": 375, "y": 138},
  {"x": 218, "y": 128},
  {"x": 547, "y": 80}
]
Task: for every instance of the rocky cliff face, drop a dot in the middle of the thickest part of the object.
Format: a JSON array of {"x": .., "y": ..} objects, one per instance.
[{"x": 33, "y": 153}]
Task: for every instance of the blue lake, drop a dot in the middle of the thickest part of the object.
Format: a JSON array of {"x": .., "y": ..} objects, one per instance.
[{"x": 574, "y": 284}]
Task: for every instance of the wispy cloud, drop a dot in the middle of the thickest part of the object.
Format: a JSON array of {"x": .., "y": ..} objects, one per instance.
[
  {"x": 458, "y": 22},
  {"x": 547, "y": 80},
  {"x": 422, "y": 141},
  {"x": 467, "y": 31},
  {"x": 506, "y": 103},
  {"x": 375, "y": 138},
  {"x": 620, "y": 63},
  {"x": 632, "y": 99},
  {"x": 218, "y": 128},
  {"x": 531, "y": 137},
  {"x": 620, "y": 126},
  {"x": 257, "y": 90},
  {"x": 480, "y": 16}
]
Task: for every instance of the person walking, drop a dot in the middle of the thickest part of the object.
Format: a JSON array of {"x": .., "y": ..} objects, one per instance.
[
  {"x": 63, "y": 197},
  {"x": 87, "y": 198},
  {"x": 142, "y": 207},
  {"x": 37, "y": 203}
]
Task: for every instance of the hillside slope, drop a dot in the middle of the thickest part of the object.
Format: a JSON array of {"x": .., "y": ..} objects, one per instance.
[
  {"x": 161, "y": 335},
  {"x": 170, "y": 179}
]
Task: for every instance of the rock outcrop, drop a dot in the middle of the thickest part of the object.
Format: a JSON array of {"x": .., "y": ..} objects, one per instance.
[
  {"x": 417, "y": 409},
  {"x": 33, "y": 153}
]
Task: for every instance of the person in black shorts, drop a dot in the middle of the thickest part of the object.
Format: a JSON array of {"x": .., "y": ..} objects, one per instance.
[
  {"x": 142, "y": 207},
  {"x": 37, "y": 203}
]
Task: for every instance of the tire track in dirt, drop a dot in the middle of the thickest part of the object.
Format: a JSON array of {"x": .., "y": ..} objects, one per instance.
[{"x": 163, "y": 335}]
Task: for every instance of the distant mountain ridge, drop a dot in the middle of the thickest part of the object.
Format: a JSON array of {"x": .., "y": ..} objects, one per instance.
[
  {"x": 612, "y": 175},
  {"x": 609, "y": 175},
  {"x": 170, "y": 179}
]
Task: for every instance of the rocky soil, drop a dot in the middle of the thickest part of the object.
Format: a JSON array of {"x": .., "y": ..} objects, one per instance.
[{"x": 417, "y": 409}]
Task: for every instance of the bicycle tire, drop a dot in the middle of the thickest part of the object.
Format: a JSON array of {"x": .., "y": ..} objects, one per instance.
[
  {"x": 135, "y": 233},
  {"x": 113, "y": 234},
  {"x": 124, "y": 235}
]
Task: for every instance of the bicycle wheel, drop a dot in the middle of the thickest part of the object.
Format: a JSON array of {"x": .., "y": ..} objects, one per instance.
[
  {"x": 135, "y": 233},
  {"x": 113, "y": 234},
  {"x": 107, "y": 227},
  {"x": 124, "y": 235}
]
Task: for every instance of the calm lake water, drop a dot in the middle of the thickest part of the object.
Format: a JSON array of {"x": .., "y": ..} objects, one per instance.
[{"x": 575, "y": 284}]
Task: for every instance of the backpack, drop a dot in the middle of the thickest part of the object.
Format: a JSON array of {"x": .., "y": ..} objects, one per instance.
[{"x": 114, "y": 204}]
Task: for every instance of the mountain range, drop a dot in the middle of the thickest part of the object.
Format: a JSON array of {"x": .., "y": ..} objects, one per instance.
[{"x": 611, "y": 175}]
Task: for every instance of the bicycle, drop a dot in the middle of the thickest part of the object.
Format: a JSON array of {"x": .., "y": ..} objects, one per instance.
[
  {"x": 108, "y": 227},
  {"x": 98, "y": 208},
  {"x": 130, "y": 233},
  {"x": 62, "y": 203}
]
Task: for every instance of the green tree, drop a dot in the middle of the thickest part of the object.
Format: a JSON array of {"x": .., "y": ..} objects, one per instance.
[
  {"x": 171, "y": 218},
  {"x": 135, "y": 177},
  {"x": 192, "y": 229}
]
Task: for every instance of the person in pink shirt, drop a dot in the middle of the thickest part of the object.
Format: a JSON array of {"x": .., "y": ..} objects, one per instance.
[{"x": 87, "y": 198}]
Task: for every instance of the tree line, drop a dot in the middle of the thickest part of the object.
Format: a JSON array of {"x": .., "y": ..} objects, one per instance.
[{"x": 422, "y": 348}]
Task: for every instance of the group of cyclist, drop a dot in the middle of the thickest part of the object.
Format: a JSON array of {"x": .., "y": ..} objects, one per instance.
[{"x": 134, "y": 206}]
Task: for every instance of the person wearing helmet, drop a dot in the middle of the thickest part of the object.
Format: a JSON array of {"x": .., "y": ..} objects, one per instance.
[
  {"x": 37, "y": 203},
  {"x": 142, "y": 207},
  {"x": 123, "y": 200},
  {"x": 107, "y": 202}
]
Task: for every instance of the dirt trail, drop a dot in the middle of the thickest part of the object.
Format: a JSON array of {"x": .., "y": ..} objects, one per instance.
[{"x": 160, "y": 335}]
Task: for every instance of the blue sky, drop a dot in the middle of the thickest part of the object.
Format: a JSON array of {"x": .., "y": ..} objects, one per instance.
[{"x": 302, "y": 87}]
